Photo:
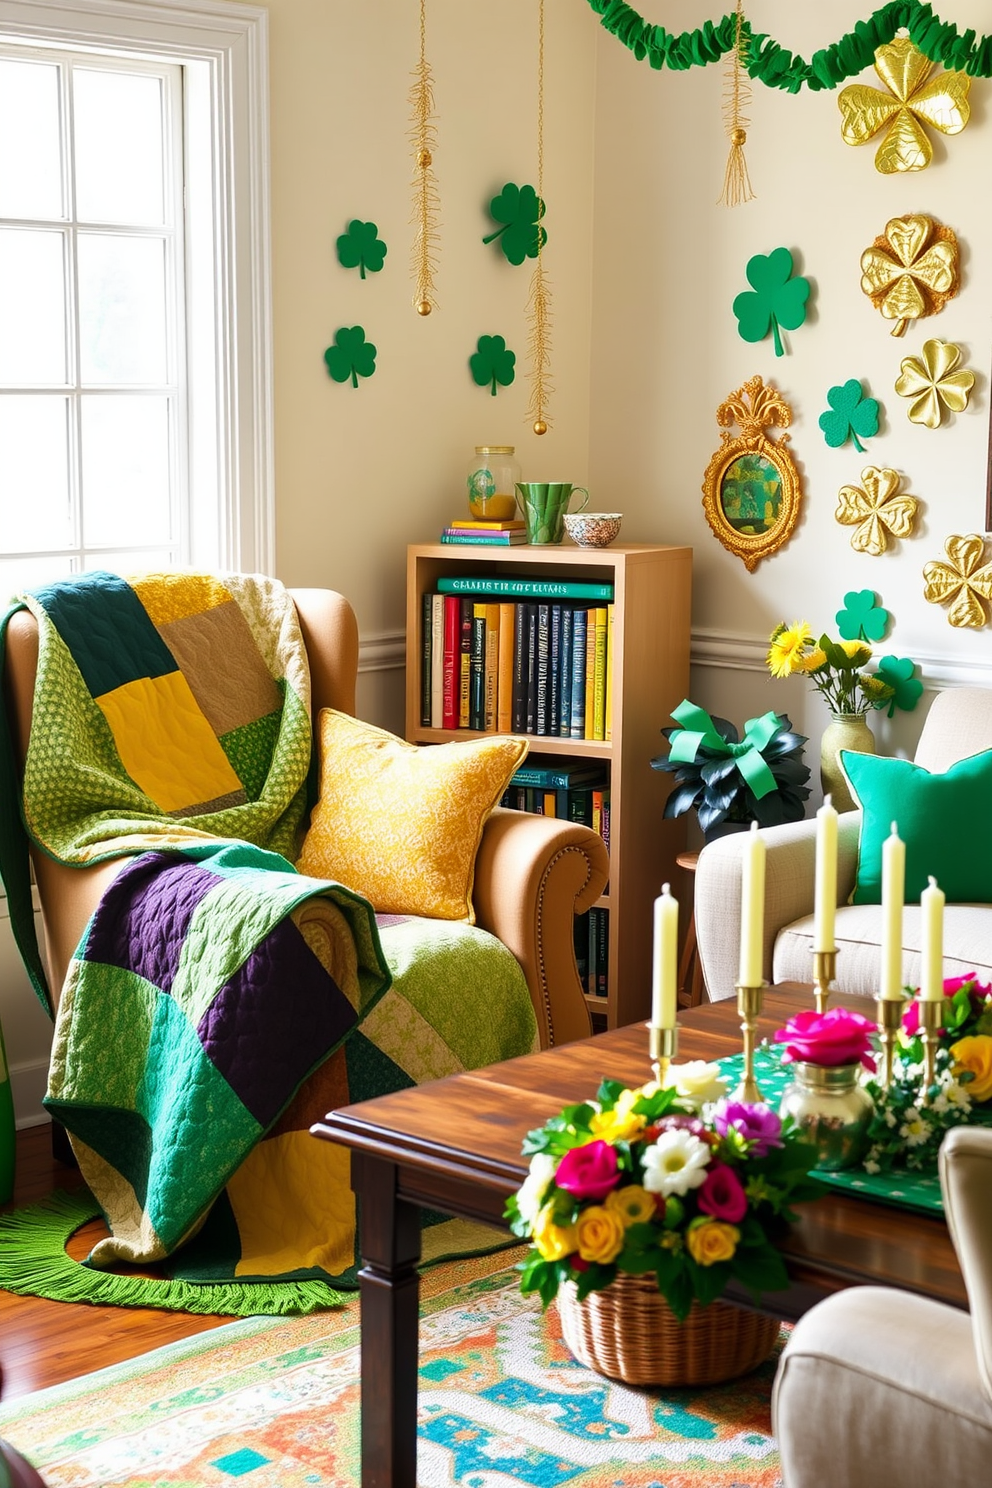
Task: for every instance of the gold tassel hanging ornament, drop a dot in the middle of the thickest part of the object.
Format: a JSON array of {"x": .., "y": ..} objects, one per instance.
[
  {"x": 539, "y": 305},
  {"x": 736, "y": 98},
  {"x": 426, "y": 201}
]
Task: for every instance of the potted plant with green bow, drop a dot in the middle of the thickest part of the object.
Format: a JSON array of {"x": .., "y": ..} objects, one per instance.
[{"x": 730, "y": 781}]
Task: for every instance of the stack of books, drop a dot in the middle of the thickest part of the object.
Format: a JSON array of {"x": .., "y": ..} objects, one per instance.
[
  {"x": 522, "y": 656},
  {"x": 592, "y": 951},
  {"x": 486, "y": 533}
]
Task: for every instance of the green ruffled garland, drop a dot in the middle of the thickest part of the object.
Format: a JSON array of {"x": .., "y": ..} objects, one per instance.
[{"x": 776, "y": 67}]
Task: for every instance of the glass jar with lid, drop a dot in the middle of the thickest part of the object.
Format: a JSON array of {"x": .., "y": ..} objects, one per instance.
[{"x": 492, "y": 482}]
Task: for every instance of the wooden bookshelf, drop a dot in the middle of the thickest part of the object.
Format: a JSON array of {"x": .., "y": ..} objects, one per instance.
[{"x": 651, "y": 594}]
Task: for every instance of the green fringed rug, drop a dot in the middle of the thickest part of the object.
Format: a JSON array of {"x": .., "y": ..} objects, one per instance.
[{"x": 275, "y": 1404}]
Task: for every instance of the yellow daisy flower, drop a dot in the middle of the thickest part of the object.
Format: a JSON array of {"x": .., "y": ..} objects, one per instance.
[{"x": 789, "y": 642}]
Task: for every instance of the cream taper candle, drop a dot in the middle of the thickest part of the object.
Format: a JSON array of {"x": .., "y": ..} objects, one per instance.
[
  {"x": 932, "y": 942},
  {"x": 825, "y": 900},
  {"x": 752, "y": 910},
  {"x": 893, "y": 893},
  {"x": 665, "y": 959}
]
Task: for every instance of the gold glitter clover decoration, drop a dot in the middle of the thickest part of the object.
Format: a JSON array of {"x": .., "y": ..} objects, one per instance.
[
  {"x": 960, "y": 583},
  {"x": 875, "y": 508},
  {"x": 914, "y": 99},
  {"x": 912, "y": 270},
  {"x": 933, "y": 384}
]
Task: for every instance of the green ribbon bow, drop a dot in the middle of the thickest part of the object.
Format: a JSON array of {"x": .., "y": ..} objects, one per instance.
[{"x": 697, "y": 729}]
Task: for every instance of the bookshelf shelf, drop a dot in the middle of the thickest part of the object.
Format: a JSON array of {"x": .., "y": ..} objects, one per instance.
[{"x": 651, "y": 595}]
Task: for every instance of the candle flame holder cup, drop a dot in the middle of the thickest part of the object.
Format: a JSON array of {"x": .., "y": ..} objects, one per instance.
[
  {"x": 663, "y": 1045},
  {"x": 749, "y": 1002},
  {"x": 888, "y": 1015},
  {"x": 931, "y": 1019},
  {"x": 824, "y": 971}
]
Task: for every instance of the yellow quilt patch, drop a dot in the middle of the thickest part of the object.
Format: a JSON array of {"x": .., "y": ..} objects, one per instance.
[
  {"x": 173, "y": 596},
  {"x": 294, "y": 1207}
]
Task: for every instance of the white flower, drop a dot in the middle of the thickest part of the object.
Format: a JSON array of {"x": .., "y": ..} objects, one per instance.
[
  {"x": 697, "y": 1081},
  {"x": 890, "y": 1118},
  {"x": 871, "y": 1166},
  {"x": 957, "y": 1095},
  {"x": 675, "y": 1163},
  {"x": 914, "y": 1129},
  {"x": 534, "y": 1187}
]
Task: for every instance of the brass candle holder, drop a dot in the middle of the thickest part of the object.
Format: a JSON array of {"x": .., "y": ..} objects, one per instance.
[
  {"x": 824, "y": 971},
  {"x": 888, "y": 1015},
  {"x": 749, "y": 1001},
  {"x": 931, "y": 1018},
  {"x": 663, "y": 1045}
]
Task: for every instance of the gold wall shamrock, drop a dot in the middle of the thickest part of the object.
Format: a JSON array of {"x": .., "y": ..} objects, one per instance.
[
  {"x": 932, "y": 383},
  {"x": 961, "y": 583},
  {"x": 875, "y": 507},
  {"x": 913, "y": 99},
  {"x": 912, "y": 270}
]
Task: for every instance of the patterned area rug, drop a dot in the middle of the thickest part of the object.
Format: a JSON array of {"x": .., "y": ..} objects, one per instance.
[{"x": 274, "y": 1404}]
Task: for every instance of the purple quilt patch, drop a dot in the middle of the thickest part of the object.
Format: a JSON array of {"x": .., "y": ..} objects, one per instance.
[{"x": 141, "y": 922}]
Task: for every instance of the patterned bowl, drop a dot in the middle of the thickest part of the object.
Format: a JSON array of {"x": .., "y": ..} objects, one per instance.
[{"x": 592, "y": 529}]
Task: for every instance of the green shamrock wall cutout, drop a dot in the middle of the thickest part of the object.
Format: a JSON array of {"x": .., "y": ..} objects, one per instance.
[
  {"x": 907, "y": 689},
  {"x": 350, "y": 356},
  {"x": 862, "y": 618},
  {"x": 850, "y": 414},
  {"x": 492, "y": 363},
  {"x": 775, "y": 299},
  {"x": 361, "y": 247},
  {"x": 519, "y": 209}
]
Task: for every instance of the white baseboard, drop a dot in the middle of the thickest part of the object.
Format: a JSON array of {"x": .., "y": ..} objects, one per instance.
[{"x": 28, "y": 1083}]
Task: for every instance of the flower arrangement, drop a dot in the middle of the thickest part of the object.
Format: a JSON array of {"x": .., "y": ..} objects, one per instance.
[
  {"x": 831, "y": 1039},
  {"x": 835, "y": 668},
  {"x": 905, "y": 1133},
  {"x": 674, "y": 1180}
]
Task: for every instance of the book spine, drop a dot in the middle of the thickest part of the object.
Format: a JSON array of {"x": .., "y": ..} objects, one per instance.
[
  {"x": 425, "y": 659},
  {"x": 589, "y": 678},
  {"x": 519, "y": 701},
  {"x": 602, "y": 952},
  {"x": 523, "y": 588},
  {"x": 604, "y": 823},
  {"x": 477, "y": 700},
  {"x": 543, "y": 662},
  {"x": 530, "y": 717},
  {"x": 608, "y": 720},
  {"x": 577, "y": 710},
  {"x": 488, "y": 524},
  {"x": 504, "y": 684},
  {"x": 465, "y": 663},
  {"x": 565, "y": 685},
  {"x": 437, "y": 660},
  {"x": 483, "y": 540},
  {"x": 492, "y": 666},
  {"x": 581, "y": 944},
  {"x": 597, "y": 812},
  {"x": 550, "y": 803},
  {"x": 554, "y": 669},
  {"x": 580, "y": 807},
  {"x": 452, "y": 661},
  {"x": 599, "y": 677}
]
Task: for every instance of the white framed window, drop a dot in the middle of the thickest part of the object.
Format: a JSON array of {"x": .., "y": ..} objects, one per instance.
[{"x": 135, "y": 324}]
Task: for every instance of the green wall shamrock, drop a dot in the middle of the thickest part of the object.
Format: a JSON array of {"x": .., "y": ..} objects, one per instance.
[
  {"x": 775, "y": 299},
  {"x": 907, "y": 689},
  {"x": 862, "y": 617},
  {"x": 361, "y": 247},
  {"x": 519, "y": 209},
  {"x": 850, "y": 414},
  {"x": 350, "y": 356},
  {"x": 491, "y": 363}
]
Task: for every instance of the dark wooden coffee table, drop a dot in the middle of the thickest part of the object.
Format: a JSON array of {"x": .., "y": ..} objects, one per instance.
[{"x": 454, "y": 1145}]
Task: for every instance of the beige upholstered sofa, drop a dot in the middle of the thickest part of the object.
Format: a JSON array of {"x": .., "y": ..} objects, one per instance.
[
  {"x": 959, "y": 724},
  {"x": 894, "y": 1390}
]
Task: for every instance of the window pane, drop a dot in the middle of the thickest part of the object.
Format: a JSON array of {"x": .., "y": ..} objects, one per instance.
[
  {"x": 32, "y": 307},
  {"x": 34, "y": 474},
  {"x": 125, "y": 471},
  {"x": 131, "y": 565},
  {"x": 31, "y": 157},
  {"x": 121, "y": 309},
  {"x": 119, "y": 167},
  {"x": 30, "y": 573}
]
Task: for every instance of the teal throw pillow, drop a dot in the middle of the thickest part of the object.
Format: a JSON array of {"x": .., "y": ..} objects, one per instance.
[{"x": 945, "y": 821}]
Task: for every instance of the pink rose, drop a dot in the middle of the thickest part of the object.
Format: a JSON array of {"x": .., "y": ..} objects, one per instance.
[
  {"x": 832, "y": 1038},
  {"x": 980, "y": 992},
  {"x": 722, "y": 1195},
  {"x": 588, "y": 1172}
]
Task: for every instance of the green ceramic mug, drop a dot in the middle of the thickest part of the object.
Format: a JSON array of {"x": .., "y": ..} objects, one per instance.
[{"x": 544, "y": 504}]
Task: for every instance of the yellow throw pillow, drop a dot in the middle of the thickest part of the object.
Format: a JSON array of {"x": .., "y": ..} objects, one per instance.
[{"x": 402, "y": 823}]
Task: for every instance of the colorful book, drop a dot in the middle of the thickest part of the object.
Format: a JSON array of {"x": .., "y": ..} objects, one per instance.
[
  {"x": 492, "y": 667},
  {"x": 437, "y": 661},
  {"x": 577, "y": 711},
  {"x": 452, "y": 661},
  {"x": 465, "y": 667},
  {"x": 530, "y": 717},
  {"x": 484, "y": 539},
  {"x": 581, "y": 945},
  {"x": 543, "y": 655},
  {"x": 589, "y": 677},
  {"x": 608, "y": 721},
  {"x": 521, "y": 667},
  {"x": 565, "y": 685},
  {"x": 425, "y": 660},
  {"x": 477, "y": 694},
  {"x": 550, "y": 806},
  {"x": 488, "y": 524},
  {"x": 504, "y": 685},
  {"x": 554, "y": 668},
  {"x": 599, "y": 676},
  {"x": 558, "y": 777},
  {"x": 517, "y": 588}
]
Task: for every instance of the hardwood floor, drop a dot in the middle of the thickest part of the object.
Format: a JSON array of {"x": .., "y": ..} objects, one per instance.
[{"x": 43, "y": 1343}]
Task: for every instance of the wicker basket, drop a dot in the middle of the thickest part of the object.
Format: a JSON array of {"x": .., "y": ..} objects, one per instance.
[{"x": 628, "y": 1332}]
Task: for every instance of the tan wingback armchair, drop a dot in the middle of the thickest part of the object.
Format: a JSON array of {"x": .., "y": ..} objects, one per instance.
[
  {"x": 894, "y": 1390},
  {"x": 533, "y": 874}
]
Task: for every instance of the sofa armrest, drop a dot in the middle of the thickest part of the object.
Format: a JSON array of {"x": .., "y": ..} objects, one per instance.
[
  {"x": 965, "y": 1168},
  {"x": 533, "y": 875},
  {"x": 789, "y": 889}
]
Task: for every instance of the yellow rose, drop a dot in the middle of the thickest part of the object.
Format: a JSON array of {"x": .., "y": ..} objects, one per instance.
[
  {"x": 712, "y": 1241},
  {"x": 633, "y": 1204},
  {"x": 620, "y": 1124},
  {"x": 554, "y": 1241},
  {"x": 600, "y": 1233},
  {"x": 975, "y": 1054}
]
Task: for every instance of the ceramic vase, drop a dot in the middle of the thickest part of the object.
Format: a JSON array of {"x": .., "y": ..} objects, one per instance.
[
  {"x": 844, "y": 731},
  {"x": 833, "y": 1109}
]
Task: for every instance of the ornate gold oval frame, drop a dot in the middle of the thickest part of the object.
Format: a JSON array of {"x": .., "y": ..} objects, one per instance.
[{"x": 731, "y": 490}]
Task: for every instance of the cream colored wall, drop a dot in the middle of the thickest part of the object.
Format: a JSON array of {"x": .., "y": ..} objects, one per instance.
[{"x": 665, "y": 351}]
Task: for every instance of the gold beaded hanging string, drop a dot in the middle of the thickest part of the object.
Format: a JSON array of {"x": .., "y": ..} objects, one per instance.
[
  {"x": 539, "y": 304},
  {"x": 426, "y": 201},
  {"x": 736, "y": 98}
]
